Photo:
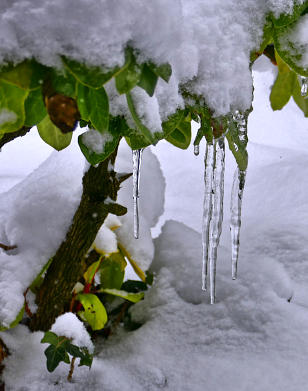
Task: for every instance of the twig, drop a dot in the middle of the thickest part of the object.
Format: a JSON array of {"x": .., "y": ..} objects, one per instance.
[
  {"x": 7, "y": 248},
  {"x": 70, "y": 374}
]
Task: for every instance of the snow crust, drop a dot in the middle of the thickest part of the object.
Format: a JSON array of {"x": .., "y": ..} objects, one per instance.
[
  {"x": 207, "y": 42},
  {"x": 68, "y": 325}
]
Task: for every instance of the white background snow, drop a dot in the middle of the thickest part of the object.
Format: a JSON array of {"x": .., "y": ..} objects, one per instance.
[{"x": 253, "y": 338}]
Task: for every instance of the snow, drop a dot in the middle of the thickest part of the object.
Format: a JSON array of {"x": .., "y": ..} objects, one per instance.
[
  {"x": 96, "y": 141},
  {"x": 68, "y": 325},
  {"x": 256, "y": 336},
  {"x": 207, "y": 42},
  {"x": 7, "y": 116}
]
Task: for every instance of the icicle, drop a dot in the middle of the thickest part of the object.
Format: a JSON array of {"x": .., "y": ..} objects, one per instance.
[
  {"x": 304, "y": 85},
  {"x": 207, "y": 208},
  {"x": 196, "y": 150},
  {"x": 217, "y": 212},
  {"x": 236, "y": 211},
  {"x": 137, "y": 156}
]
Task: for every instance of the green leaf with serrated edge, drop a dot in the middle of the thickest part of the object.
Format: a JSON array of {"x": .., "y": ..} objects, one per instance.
[
  {"x": 164, "y": 71},
  {"x": 287, "y": 50},
  {"x": 148, "y": 79},
  {"x": 282, "y": 89},
  {"x": 112, "y": 271},
  {"x": 34, "y": 108},
  {"x": 51, "y": 338},
  {"x": 94, "y": 311},
  {"x": 90, "y": 76},
  {"x": 12, "y": 109},
  {"x": 181, "y": 136},
  {"x": 285, "y": 19},
  {"x": 63, "y": 82},
  {"x": 54, "y": 356},
  {"x": 301, "y": 101},
  {"x": 26, "y": 75},
  {"x": 148, "y": 135},
  {"x": 16, "y": 321},
  {"x": 132, "y": 297},
  {"x": 52, "y": 135}
]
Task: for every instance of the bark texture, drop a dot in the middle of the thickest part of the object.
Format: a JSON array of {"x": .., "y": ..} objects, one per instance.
[{"x": 100, "y": 187}]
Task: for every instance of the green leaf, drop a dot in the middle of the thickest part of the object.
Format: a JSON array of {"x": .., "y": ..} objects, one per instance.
[
  {"x": 132, "y": 297},
  {"x": 52, "y": 135},
  {"x": 164, "y": 71},
  {"x": 16, "y": 321},
  {"x": 34, "y": 108},
  {"x": 134, "y": 286},
  {"x": 181, "y": 136},
  {"x": 90, "y": 76},
  {"x": 26, "y": 75},
  {"x": 74, "y": 350},
  {"x": 282, "y": 89},
  {"x": 51, "y": 338},
  {"x": 108, "y": 143},
  {"x": 86, "y": 360},
  {"x": 147, "y": 134},
  {"x": 93, "y": 106},
  {"x": 54, "y": 356},
  {"x": 12, "y": 110},
  {"x": 112, "y": 271},
  {"x": 288, "y": 49},
  {"x": 237, "y": 147},
  {"x": 94, "y": 311},
  {"x": 285, "y": 19},
  {"x": 301, "y": 101},
  {"x": 63, "y": 83},
  {"x": 91, "y": 271},
  {"x": 148, "y": 80},
  {"x": 129, "y": 76}
]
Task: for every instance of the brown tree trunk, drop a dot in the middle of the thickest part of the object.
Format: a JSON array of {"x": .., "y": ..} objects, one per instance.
[{"x": 100, "y": 187}]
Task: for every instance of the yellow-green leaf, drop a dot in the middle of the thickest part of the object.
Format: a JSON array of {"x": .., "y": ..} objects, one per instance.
[{"x": 94, "y": 311}]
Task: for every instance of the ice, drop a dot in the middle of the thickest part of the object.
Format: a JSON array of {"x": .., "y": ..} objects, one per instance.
[
  {"x": 207, "y": 208},
  {"x": 196, "y": 150},
  {"x": 137, "y": 158},
  {"x": 216, "y": 213},
  {"x": 235, "y": 221},
  {"x": 304, "y": 85}
]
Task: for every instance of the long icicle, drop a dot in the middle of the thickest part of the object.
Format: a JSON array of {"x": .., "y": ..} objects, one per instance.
[
  {"x": 207, "y": 208},
  {"x": 237, "y": 196},
  {"x": 304, "y": 85},
  {"x": 217, "y": 212},
  {"x": 236, "y": 211},
  {"x": 137, "y": 157}
]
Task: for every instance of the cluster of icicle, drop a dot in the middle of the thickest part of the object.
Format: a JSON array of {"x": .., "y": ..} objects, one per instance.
[{"x": 213, "y": 203}]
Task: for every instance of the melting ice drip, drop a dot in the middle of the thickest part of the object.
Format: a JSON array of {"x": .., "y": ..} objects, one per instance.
[
  {"x": 137, "y": 157},
  {"x": 304, "y": 85},
  {"x": 212, "y": 211},
  {"x": 237, "y": 196}
]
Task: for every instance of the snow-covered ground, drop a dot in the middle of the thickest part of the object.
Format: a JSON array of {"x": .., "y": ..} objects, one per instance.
[{"x": 256, "y": 336}]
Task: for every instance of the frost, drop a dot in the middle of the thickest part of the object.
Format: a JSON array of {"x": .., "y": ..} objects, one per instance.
[
  {"x": 7, "y": 116},
  {"x": 68, "y": 325},
  {"x": 96, "y": 141}
]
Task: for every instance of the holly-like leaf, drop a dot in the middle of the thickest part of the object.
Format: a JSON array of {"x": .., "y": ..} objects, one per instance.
[
  {"x": 94, "y": 311},
  {"x": 52, "y": 135},
  {"x": 54, "y": 356}
]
